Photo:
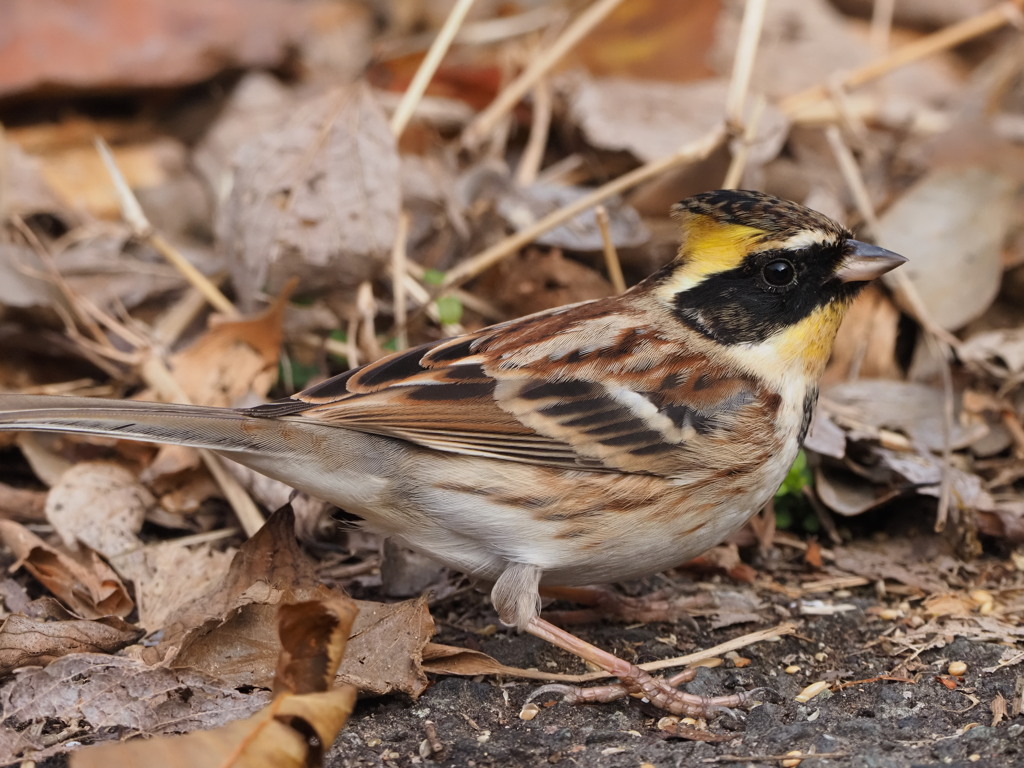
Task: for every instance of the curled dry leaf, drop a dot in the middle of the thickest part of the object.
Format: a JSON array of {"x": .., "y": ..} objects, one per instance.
[
  {"x": 82, "y": 580},
  {"x": 313, "y": 635},
  {"x": 318, "y": 198},
  {"x": 100, "y": 504},
  {"x": 26, "y": 641}
]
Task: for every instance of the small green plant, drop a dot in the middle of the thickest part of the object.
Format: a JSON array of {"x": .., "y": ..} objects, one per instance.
[
  {"x": 449, "y": 308},
  {"x": 792, "y": 509}
]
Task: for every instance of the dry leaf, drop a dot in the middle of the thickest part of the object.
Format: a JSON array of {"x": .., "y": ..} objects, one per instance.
[
  {"x": 536, "y": 279},
  {"x": 452, "y": 660},
  {"x": 385, "y": 652},
  {"x": 317, "y": 199},
  {"x": 96, "y": 692},
  {"x": 100, "y": 504},
  {"x": 28, "y": 641},
  {"x": 279, "y": 736},
  {"x": 170, "y": 575},
  {"x": 25, "y": 191},
  {"x": 235, "y": 361},
  {"x": 999, "y": 353},
  {"x": 803, "y": 42},
  {"x": 651, "y": 39},
  {"x": 948, "y": 604},
  {"x": 230, "y": 631},
  {"x": 313, "y": 636},
  {"x": 647, "y": 118},
  {"x": 865, "y": 347},
  {"x": 867, "y": 406},
  {"x": 951, "y": 226},
  {"x": 920, "y": 562},
  {"x": 272, "y": 560},
  {"x": 86, "y": 584},
  {"x": 523, "y": 207}
]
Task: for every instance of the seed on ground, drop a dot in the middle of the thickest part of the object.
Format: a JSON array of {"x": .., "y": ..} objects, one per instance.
[
  {"x": 811, "y": 691},
  {"x": 529, "y": 711}
]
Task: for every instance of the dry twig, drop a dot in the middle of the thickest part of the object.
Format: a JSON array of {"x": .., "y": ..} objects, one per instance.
[{"x": 485, "y": 122}]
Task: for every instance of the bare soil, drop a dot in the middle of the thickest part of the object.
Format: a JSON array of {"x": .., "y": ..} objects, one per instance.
[{"x": 875, "y": 724}]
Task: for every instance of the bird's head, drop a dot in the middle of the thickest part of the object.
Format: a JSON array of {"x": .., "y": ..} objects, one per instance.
[{"x": 753, "y": 270}]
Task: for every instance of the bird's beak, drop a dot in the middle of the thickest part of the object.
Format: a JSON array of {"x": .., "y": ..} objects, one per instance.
[{"x": 865, "y": 262}]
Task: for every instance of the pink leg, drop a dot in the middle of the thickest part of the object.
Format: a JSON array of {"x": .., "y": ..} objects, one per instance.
[{"x": 633, "y": 681}]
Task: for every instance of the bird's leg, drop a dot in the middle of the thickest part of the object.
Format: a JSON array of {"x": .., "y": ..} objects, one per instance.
[
  {"x": 515, "y": 596},
  {"x": 633, "y": 681},
  {"x": 605, "y": 603}
]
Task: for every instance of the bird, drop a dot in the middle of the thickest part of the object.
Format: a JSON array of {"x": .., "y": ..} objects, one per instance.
[{"x": 587, "y": 444}]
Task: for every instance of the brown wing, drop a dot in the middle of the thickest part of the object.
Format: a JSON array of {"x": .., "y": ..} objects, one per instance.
[{"x": 585, "y": 387}]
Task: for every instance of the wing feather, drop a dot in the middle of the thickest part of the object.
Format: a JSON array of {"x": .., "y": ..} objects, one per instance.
[{"x": 591, "y": 388}]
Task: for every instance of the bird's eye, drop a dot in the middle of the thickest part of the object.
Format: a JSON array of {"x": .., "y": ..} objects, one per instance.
[{"x": 779, "y": 273}]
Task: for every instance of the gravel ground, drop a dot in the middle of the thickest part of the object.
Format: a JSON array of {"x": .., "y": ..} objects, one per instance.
[{"x": 868, "y": 725}]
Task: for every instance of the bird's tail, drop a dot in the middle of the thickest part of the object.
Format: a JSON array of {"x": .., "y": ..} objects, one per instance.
[{"x": 219, "y": 429}]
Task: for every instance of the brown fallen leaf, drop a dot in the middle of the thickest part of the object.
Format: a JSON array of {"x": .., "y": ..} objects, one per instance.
[
  {"x": 94, "y": 693},
  {"x": 82, "y": 580},
  {"x": 230, "y": 631},
  {"x": 313, "y": 636},
  {"x": 271, "y": 562},
  {"x": 169, "y": 575},
  {"x": 26, "y": 641},
  {"x": 650, "y": 119},
  {"x": 951, "y": 226},
  {"x": 385, "y": 652},
  {"x": 234, "y": 361},
  {"x": 149, "y": 44},
  {"x": 536, "y": 279},
  {"x": 277, "y": 737},
  {"x": 521, "y": 207},
  {"x": 441, "y": 659},
  {"x": 100, "y": 504},
  {"x": 318, "y": 198},
  {"x": 865, "y": 346}
]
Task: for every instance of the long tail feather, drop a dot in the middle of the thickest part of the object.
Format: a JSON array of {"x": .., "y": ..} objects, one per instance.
[{"x": 220, "y": 429}]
